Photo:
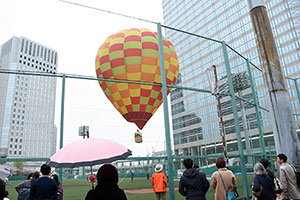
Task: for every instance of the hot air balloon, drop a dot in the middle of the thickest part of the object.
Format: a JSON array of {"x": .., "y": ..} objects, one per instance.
[{"x": 133, "y": 55}]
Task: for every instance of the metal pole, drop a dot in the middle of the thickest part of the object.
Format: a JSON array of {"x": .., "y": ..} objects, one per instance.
[
  {"x": 245, "y": 127},
  {"x": 297, "y": 89},
  {"x": 199, "y": 153},
  {"x": 285, "y": 136},
  {"x": 236, "y": 120},
  {"x": 206, "y": 156},
  {"x": 217, "y": 94},
  {"x": 166, "y": 112},
  {"x": 62, "y": 109},
  {"x": 270, "y": 152},
  {"x": 261, "y": 136}
]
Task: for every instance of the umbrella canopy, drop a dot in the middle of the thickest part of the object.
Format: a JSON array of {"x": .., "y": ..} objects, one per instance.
[
  {"x": 4, "y": 172},
  {"x": 88, "y": 152}
]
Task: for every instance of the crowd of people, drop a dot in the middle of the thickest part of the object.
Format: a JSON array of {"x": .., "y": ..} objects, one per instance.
[
  {"x": 36, "y": 186},
  {"x": 266, "y": 186},
  {"x": 193, "y": 183}
]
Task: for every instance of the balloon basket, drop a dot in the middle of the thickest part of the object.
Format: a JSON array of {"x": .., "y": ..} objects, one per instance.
[{"x": 138, "y": 139}]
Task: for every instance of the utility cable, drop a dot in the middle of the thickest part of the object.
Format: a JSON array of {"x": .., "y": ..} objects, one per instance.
[
  {"x": 107, "y": 11},
  {"x": 6, "y": 26}
]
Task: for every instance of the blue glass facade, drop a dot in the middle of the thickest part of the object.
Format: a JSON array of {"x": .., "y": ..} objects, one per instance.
[{"x": 195, "y": 115}]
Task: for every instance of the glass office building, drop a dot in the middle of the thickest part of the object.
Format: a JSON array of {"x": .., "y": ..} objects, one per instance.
[
  {"x": 195, "y": 116},
  {"x": 27, "y": 103}
]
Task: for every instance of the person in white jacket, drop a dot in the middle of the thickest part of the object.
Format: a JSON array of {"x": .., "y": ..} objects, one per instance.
[{"x": 288, "y": 179}]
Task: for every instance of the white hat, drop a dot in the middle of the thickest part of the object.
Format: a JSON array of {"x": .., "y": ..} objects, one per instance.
[{"x": 158, "y": 168}]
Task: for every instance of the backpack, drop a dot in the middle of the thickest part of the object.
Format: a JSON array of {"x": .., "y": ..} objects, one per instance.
[
  {"x": 297, "y": 173},
  {"x": 24, "y": 194}
]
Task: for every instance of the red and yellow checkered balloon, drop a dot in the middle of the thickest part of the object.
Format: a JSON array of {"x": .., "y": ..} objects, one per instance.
[{"x": 133, "y": 55}]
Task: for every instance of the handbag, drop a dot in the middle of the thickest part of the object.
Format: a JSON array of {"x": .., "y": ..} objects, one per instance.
[
  {"x": 261, "y": 191},
  {"x": 229, "y": 195},
  {"x": 236, "y": 194},
  {"x": 278, "y": 189}
]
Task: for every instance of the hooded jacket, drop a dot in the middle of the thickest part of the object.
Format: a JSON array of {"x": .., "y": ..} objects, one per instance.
[
  {"x": 106, "y": 191},
  {"x": 193, "y": 184}
]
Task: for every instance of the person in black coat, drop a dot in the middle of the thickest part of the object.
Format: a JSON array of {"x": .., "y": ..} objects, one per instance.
[
  {"x": 265, "y": 163},
  {"x": 2, "y": 189},
  {"x": 262, "y": 179},
  {"x": 193, "y": 184},
  {"x": 107, "y": 187}
]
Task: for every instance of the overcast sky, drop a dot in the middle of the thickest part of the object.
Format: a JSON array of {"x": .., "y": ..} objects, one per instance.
[{"x": 76, "y": 33}]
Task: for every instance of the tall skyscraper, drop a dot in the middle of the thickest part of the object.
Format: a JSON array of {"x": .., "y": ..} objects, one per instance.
[
  {"x": 27, "y": 103},
  {"x": 195, "y": 115}
]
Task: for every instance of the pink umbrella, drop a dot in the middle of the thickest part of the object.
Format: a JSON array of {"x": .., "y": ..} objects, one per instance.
[{"x": 88, "y": 152}]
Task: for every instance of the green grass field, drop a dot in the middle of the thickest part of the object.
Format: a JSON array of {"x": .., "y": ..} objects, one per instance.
[{"x": 76, "y": 189}]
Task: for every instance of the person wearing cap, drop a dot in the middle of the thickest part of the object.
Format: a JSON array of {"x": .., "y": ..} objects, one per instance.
[{"x": 159, "y": 182}]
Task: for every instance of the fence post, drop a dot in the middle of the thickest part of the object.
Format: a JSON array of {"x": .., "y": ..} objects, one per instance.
[
  {"x": 166, "y": 113},
  {"x": 297, "y": 89},
  {"x": 261, "y": 136},
  {"x": 236, "y": 120},
  {"x": 62, "y": 110}
]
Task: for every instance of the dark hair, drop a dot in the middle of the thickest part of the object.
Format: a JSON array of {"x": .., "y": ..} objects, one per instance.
[
  {"x": 6, "y": 193},
  {"x": 107, "y": 173},
  {"x": 196, "y": 166},
  {"x": 188, "y": 163},
  {"x": 264, "y": 162},
  {"x": 283, "y": 157},
  {"x": 55, "y": 177},
  {"x": 34, "y": 176},
  {"x": 45, "y": 169},
  {"x": 220, "y": 163},
  {"x": 29, "y": 176}
]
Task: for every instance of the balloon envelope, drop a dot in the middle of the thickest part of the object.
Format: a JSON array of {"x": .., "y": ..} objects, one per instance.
[{"x": 133, "y": 55}]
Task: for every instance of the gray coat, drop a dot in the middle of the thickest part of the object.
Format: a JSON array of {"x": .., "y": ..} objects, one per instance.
[{"x": 288, "y": 182}]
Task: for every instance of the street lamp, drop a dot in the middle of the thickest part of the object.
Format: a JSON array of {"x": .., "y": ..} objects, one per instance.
[
  {"x": 83, "y": 130},
  {"x": 241, "y": 82}
]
